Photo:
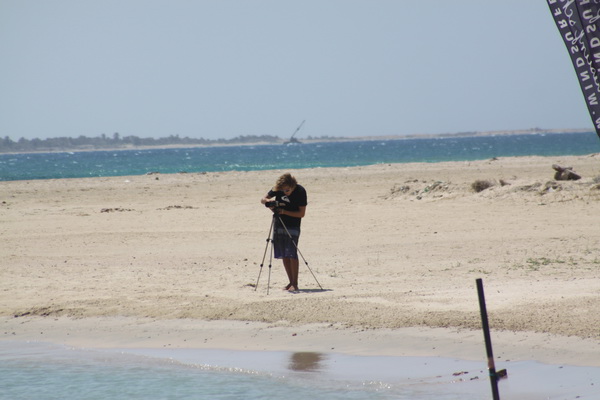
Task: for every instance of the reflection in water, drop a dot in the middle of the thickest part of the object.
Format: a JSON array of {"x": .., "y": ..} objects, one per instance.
[{"x": 305, "y": 361}]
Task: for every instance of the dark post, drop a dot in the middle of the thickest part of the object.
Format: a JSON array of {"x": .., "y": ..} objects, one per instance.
[{"x": 488, "y": 341}]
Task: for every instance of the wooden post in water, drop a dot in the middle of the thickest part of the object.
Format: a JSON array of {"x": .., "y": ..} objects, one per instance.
[{"x": 488, "y": 341}]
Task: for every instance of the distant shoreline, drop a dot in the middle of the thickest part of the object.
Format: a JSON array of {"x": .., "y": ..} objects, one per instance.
[
  {"x": 455, "y": 135},
  {"x": 326, "y": 139}
]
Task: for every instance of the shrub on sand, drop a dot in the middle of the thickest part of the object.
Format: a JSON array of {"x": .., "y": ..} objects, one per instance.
[{"x": 480, "y": 185}]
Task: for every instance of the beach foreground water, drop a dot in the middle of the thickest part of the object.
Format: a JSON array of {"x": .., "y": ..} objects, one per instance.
[
  {"x": 172, "y": 261},
  {"x": 31, "y": 370}
]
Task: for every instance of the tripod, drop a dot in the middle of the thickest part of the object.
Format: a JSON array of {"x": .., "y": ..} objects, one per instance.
[{"x": 277, "y": 217}]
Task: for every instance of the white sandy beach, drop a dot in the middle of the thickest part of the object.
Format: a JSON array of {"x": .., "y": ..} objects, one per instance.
[{"x": 172, "y": 261}]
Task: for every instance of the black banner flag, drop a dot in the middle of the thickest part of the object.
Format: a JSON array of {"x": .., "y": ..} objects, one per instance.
[{"x": 578, "y": 22}]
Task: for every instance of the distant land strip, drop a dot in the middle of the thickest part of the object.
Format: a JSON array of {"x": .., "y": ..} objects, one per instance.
[{"x": 118, "y": 142}]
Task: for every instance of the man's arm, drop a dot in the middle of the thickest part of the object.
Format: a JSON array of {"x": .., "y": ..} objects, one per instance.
[
  {"x": 296, "y": 214},
  {"x": 267, "y": 197}
]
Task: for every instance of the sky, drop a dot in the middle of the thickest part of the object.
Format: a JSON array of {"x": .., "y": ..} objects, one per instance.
[{"x": 225, "y": 68}]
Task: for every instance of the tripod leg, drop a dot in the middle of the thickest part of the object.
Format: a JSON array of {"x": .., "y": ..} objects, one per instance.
[
  {"x": 311, "y": 271},
  {"x": 265, "y": 254},
  {"x": 299, "y": 252},
  {"x": 270, "y": 264}
]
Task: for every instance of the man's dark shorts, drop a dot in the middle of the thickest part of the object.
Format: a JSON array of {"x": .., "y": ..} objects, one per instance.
[{"x": 283, "y": 246}]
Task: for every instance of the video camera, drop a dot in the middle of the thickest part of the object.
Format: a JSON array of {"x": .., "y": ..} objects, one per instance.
[{"x": 274, "y": 204}]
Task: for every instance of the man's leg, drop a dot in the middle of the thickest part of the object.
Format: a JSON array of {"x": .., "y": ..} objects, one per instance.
[
  {"x": 294, "y": 271},
  {"x": 287, "y": 264}
]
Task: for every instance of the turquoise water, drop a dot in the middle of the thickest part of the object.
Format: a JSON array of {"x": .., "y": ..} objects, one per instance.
[
  {"x": 31, "y": 370},
  {"x": 42, "y": 371},
  {"x": 308, "y": 155}
]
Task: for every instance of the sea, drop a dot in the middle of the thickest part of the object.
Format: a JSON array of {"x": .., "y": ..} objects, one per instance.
[
  {"x": 39, "y": 370},
  {"x": 68, "y": 164}
]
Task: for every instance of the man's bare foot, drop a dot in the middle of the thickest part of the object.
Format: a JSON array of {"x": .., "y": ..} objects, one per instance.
[
  {"x": 288, "y": 286},
  {"x": 293, "y": 288}
]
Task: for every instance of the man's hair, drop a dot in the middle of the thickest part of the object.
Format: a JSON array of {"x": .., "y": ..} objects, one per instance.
[{"x": 286, "y": 180}]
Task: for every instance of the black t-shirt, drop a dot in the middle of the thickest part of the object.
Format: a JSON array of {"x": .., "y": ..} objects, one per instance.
[{"x": 293, "y": 202}]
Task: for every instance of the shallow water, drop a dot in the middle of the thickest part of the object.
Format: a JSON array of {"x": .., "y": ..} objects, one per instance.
[{"x": 45, "y": 371}]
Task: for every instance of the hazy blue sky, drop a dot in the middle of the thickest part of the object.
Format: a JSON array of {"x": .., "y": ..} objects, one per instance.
[{"x": 224, "y": 68}]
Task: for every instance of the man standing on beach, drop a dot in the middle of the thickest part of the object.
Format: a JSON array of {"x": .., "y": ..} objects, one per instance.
[{"x": 291, "y": 201}]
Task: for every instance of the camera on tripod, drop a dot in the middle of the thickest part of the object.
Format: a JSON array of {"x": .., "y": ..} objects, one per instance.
[{"x": 274, "y": 204}]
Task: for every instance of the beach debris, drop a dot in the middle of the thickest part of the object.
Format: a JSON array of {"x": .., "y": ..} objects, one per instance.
[
  {"x": 475, "y": 378},
  {"x": 530, "y": 188},
  {"x": 176, "y": 207},
  {"x": 434, "y": 186},
  {"x": 23, "y": 314},
  {"x": 551, "y": 187},
  {"x": 565, "y": 173},
  {"x": 437, "y": 186},
  {"x": 41, "y": 312},
  {"x": 117, "y": 209},
  {"x": 416, "y": 189},
  {"x": 480, "y": 185},
  {"x": 396, "y": 189}
]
